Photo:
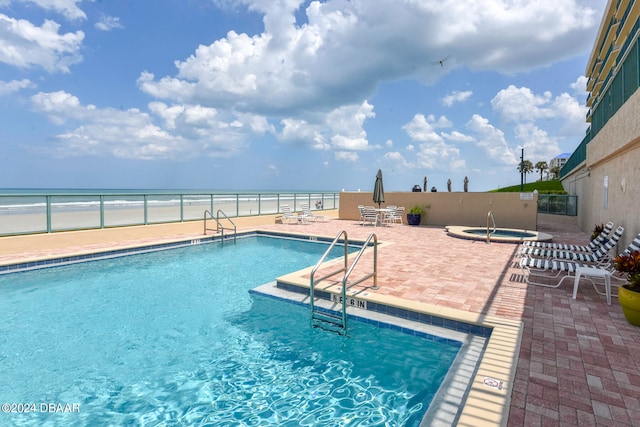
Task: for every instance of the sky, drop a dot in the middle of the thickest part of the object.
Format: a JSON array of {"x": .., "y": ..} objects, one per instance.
[{"x": 289, "y": 94}]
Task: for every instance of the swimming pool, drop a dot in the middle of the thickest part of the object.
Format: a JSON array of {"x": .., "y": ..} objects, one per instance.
[{"x": 175, "y": 337}]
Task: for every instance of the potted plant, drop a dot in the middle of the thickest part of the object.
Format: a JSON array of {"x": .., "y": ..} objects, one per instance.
[
  {"x": 414, "y": 215},
  {"x": 629, "y": 294},
  {"x": 597, "y": 230}
]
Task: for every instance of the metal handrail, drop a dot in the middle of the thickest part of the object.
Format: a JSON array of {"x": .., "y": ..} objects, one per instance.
[
  {"x": 222, "y": 228},
  {"x": 493, "y": 220},
  {"x": 324, "y": 256},
  {"x": 348, "y": 273},
  {"x": 346, "y": 270},
  {"x": 219, "y": 227}
]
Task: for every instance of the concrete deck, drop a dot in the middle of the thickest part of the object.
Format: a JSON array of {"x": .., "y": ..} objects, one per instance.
[{"x": 578, "y": 362}]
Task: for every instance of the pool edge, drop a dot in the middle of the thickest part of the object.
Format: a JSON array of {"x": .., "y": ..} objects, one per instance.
[{"x": 458, "y": 232}]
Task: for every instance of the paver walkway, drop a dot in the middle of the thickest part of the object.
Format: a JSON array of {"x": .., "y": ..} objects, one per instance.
[{"x": 579, "y": 363}]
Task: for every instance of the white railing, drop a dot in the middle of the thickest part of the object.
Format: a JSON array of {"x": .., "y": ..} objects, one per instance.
[
  {"x": 31, "y": 212},
  {"x": 493, "y": 228}
]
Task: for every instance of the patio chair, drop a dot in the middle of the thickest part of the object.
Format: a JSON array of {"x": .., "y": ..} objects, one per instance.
[
  {"x": 308, "y": 215},
  {"x": 289, "y": 216},
  {"x": 591, "y": 247},
  {"x": 369, "y": 215},
  {"x": 599, "y": 256},
  {"x": 554, "y": 268},
  {"x": 392, "y": 215}
]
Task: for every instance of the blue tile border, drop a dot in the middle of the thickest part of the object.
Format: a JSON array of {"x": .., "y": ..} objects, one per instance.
[
  {"x": 54, "y": 262},
  {"x": 429, "y": 319},
  {"x": 376, "y": 323}
]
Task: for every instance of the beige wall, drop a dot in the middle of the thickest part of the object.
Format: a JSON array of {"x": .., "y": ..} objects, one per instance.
[
  {"x": 613, "y": 153},
  {"x": 455, "y": 208}
]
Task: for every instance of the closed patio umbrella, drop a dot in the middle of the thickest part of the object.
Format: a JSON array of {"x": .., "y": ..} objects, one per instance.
[{"x": 378, "y": 189}]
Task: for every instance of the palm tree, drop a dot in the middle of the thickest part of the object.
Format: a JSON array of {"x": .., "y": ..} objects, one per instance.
[
  {"x": 524, "y": 168},
  {"x": 541, "y": 167},
  {"x": 555, "y": 171}
]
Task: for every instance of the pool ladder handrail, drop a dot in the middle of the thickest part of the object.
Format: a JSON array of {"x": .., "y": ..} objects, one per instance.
[
  {"x": 219, "y": 227},
  {"x": 493, "y": 221},
  {"x": 327, "y": 318}
]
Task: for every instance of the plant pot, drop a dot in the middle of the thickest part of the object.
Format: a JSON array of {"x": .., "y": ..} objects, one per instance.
[
  {"x": 630, "y": 303},
  {"x": 413, "y": 219}
]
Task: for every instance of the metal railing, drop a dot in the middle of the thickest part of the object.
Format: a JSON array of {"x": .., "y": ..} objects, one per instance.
[
  {"x": 493, "y": 221},
  {"x": 219, "y": 226},
  {"x": 341, "y": 321},
  {"x": 31, "y": 212}
]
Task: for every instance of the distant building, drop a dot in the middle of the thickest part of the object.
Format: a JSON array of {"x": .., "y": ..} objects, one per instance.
[
  {"x": 603, "y": 170},
  {"x": 559, "y": 161}
]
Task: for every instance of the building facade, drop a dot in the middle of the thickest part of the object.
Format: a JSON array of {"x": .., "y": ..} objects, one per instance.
[
  {"x": 559, "y": 161},
  {"x": 604, "y": 171}
]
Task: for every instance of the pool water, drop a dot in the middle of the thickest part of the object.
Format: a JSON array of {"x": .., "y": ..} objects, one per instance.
[
  {"x": 499, "y": 233},
  {"x": 175, "y": 338}
]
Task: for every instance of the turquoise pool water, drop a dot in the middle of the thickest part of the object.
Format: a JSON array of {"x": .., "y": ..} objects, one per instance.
[
  {"x": 175, "y": 338},
  {"x": 499, "y": 233}
]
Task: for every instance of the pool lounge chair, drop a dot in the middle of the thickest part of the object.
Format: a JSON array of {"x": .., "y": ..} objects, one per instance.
[
  {"x": 600, "y": 255},
  {"x": 308, "y": 215},
  {"x": 591, "y": 247},
  {"x": 551, "y": 269},
  {"x": 289, "y": 216}
]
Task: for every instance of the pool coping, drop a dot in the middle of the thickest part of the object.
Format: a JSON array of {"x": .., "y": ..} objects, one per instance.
[
  {"x": 485, "y": 404},
  {"x": 16, "y": 266},
  {"x": 459, "y": 232}
]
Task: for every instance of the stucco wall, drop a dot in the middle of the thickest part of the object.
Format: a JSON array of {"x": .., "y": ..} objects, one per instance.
[
  {"x": 455, "y": 208},
  {"x": 613, "y": 153}
]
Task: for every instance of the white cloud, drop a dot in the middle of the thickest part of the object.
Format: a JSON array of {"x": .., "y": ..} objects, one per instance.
[
  {"x": 185, "y": 131},
  {"x": 341, "y": 129},
  {"x": 108, "y": 23},
  {"x": 398, "y": 159},
  {"x": 343, "y": 50},
  {"x": 433, "y": 151},
  {"x": 456, "y": 136},
  {"x": 25, "y": 45},
  {"x": 572, "y": 113},
  {"x": 579, "y": 87},
  {"x": 521, "y": 105},
  {"x": 15, "y": 85},
  {"x": 68, "y": 8},
  {"x": 422, "y": 128},
  {"x": 491, "y": 140},
  {"x": 347, "y": 156},
  {"x": 537, "y": 144},
  {"x": 455, "y": 96}
]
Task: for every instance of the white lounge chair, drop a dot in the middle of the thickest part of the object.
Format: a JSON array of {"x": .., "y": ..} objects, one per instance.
[
  {"x": 289, "y": 216},
  {"x": 308, "y": 215},
  {"x": 528, "y": 246},
  {"x": 551, "y": 269},
  {"x": 597, "y": 256}
]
